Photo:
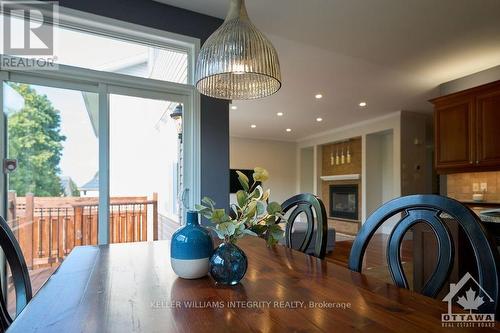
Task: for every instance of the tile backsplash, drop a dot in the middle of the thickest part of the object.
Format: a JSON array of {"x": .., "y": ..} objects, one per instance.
[{"x": 460, "y": 185}]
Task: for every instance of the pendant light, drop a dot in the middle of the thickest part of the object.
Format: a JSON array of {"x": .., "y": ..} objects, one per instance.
[{"x": 238, "y": 62}]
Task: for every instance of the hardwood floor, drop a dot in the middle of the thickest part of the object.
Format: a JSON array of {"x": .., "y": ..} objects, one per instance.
[{"x": 38, "y": 277}]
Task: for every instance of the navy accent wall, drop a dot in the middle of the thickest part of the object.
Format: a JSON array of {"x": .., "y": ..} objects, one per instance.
[{"x": 214, "y": 112}]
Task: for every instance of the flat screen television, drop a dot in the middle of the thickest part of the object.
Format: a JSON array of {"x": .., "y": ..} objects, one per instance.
[{"x": 234, "y": 184}]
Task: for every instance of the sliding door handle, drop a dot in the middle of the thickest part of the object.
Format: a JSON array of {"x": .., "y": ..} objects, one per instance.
[
  {"x": 9, "y": 165},
  {"x": 184, "y": 198}
]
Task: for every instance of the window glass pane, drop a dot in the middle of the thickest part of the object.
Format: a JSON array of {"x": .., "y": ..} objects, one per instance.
[
  {"x": 53, "y": 193},
  {"x": 145, "y": 168},
  {"x": 87, "y": 50}
]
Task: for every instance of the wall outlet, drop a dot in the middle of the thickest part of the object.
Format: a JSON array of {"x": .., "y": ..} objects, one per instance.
[
  {"x": 475, "y": 187},
  {"x": 484, "y": 187}
]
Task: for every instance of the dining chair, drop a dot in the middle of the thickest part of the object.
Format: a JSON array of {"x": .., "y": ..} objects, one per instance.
[
  {"x": 429, "y": 209},
  {"x": 313, "y": 209},
  {"x": 20, "y": 275}
]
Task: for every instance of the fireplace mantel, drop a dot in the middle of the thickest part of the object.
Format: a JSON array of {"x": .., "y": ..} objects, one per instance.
[{"x": 354, "y": 176}]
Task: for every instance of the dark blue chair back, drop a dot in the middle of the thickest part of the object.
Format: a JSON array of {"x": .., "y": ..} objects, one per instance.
[
  {"x": 314, "y": 211},
  {"x": 20, "y": 276},
  {"x": 428, "y": 209}
]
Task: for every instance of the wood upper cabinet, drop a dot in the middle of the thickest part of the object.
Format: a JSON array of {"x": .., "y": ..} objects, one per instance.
[
  {"x": 454, "y": 127},
  {"x": 467, "y": 130},
  {"x": 488, "y": 129}
]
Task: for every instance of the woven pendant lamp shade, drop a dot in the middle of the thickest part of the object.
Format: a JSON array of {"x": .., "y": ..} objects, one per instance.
[{"x": 238, "y": 62}]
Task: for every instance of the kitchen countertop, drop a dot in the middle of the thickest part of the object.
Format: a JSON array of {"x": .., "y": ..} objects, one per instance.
[
  {"x": 479, "y": 207},
  {"x": 494, "y": 217},
  {"x": 483, "y": 217}
]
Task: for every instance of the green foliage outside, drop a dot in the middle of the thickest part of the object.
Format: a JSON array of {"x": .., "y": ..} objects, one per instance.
[{"x": 35, "y": 140}]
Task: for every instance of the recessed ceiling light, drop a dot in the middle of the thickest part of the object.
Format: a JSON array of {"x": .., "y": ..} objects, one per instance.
[
  {"x": 253, "y": 126},
  {"x": 279, "y": 114},
  {"x": 234, "y": 107},
  {"x": 319, "y": 120},
  {"x": 363, "y": 104},
  {"x": 318, "y": 96},
  {"x": 288, "y": 129}
]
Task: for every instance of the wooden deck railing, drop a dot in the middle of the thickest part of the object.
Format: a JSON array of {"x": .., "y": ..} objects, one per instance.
[{"x": 48, "y": 228}]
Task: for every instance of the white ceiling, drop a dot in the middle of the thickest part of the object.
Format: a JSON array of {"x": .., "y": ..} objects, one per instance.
[{"x": 390, "y": 53}]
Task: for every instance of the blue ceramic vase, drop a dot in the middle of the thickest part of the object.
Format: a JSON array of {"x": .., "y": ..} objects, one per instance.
[
  {"x": 228, "y": 264},
  {"x": 191, "y": 248}
]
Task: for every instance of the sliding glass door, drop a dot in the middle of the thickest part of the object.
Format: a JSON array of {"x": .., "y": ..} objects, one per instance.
[
  {"x": 52, "y": 152},
  {"x": 80, "y": 161},
  {"x": 145, "y": 168}
]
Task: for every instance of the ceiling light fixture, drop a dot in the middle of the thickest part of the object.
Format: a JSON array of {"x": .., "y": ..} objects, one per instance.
[
  {"x": 363, "y": 104},
  {"x": 253, "y": 126},
  {"x": 318, "y": 96},
  {"x": 319, "y": 120},
  {"x": 237, "y": 61},
  {"x": 279, "y": 114},
  {"x": 289, "y": 130}
]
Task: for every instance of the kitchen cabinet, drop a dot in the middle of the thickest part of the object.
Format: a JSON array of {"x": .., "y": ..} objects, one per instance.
[
  {"x": 454, "y": 132},
  {"x": 488, "y": 128},
  {"x": 467, "y": 130},
  {"x": 426, "y": 251}
]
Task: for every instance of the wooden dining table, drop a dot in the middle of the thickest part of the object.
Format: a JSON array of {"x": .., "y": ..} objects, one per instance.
[{"x": 132, "y": 288}]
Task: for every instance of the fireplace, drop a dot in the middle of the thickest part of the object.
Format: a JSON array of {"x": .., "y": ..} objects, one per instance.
[{"x": 344, "y": 201}]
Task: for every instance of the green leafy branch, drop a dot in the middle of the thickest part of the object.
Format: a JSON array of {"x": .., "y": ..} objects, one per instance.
[{"x": 252, "y": 214}]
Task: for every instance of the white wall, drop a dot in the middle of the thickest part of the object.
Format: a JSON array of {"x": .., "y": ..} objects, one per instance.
[
  {"x": 379, "y": 158},
  {"x": 373, "y": 180},
  {"x": 279, "y": 158},
  {"x": 387, "y": 166},
  {"x": 379, "y": 180},
  {"x": 306, "y": 183}
]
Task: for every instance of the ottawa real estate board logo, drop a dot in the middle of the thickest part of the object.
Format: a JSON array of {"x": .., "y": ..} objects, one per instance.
[
  {"x": 471, "y": 296},
  {"x": 28, "y": 34}
]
